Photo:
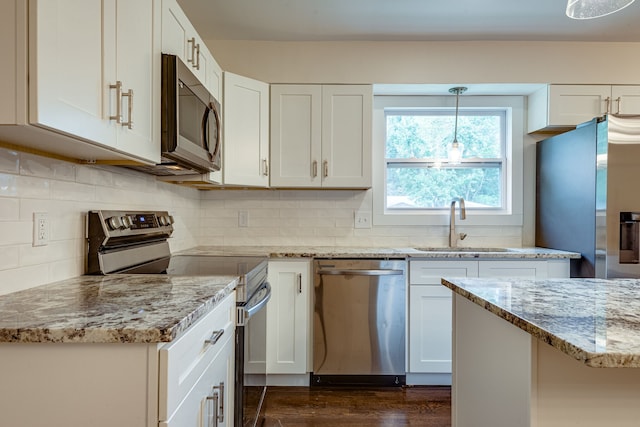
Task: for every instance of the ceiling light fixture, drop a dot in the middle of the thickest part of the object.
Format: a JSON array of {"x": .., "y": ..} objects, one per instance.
[
  {"x": 589, "y": 9},
  {"x": 455, "y": 150}
]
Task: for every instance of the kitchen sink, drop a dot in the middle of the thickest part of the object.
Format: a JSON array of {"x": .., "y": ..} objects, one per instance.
[{"x": 458, "y": 249}]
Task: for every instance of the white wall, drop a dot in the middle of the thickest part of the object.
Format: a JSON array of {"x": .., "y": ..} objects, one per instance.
[
  {"x": 431, "y": 62},
  {"x": 66, "y": 191}
]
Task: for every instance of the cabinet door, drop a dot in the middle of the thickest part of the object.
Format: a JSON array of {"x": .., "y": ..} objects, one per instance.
[
  {"x": 66, "y": 45},
  {"x": 137, "y": 65},
  {"x": 246, "y": 131},
  {"x": 288, "y": 317},
  {"x": 525, "y": 269},
  {"x": 430, "y": 317},
  {"x": 296, "y": 117},
  {"x": 625, "y": 99},
  {"x": 570, "y": 105},
  {"x": 430, "y": 329},
  {"x": 346, "y": 136},
  {"x": 180, "y": 38}
]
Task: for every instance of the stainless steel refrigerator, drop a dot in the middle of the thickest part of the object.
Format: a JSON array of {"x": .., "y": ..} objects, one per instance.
[{"x": 588, "y": 196}]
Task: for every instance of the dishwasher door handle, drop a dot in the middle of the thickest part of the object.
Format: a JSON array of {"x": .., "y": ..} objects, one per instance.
[{"x": 354, "y": 272}]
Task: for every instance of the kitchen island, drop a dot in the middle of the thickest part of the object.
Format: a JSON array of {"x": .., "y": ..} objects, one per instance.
[{"x": 543, "y": 353}]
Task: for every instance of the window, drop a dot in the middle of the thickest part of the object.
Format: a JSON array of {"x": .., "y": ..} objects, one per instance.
[
  {"x": 413, "y": 181},
  {"x": 418, "y": 173}
]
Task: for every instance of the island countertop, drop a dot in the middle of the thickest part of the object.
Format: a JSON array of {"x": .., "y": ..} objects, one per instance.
[
  {"x": 111, "y": 309},
  {"x": 595, "y": 321}
]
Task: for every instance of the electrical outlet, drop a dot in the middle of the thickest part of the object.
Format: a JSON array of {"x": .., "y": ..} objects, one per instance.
[
  {"x": 40, "y": 229},
  {"x": 243, "y": 219},
  {"x": 362, "y": 219}
]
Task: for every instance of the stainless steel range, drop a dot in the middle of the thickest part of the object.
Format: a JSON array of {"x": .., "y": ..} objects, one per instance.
[{"x": 135, "y": 242}]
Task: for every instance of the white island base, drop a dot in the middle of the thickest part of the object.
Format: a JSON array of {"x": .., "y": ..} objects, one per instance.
[{"x": 504, "y": 377}]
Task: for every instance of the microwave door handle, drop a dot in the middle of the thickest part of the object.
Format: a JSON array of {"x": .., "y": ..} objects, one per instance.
[
  {"x": 205, "y": 131},
  {"x": 216, "y": 116}
]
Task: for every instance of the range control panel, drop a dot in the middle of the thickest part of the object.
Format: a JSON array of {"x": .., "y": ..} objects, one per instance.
[{"x": 110, "y": 224}]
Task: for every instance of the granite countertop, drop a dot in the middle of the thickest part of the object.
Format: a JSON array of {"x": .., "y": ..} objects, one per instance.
[
  {"x": 595, "y": 321},
  {"x": 371, "y": 252},
  {"x": 110, "y": 309}
]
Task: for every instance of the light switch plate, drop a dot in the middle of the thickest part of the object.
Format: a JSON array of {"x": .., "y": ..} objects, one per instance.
[{"x": 362, "y": 219}]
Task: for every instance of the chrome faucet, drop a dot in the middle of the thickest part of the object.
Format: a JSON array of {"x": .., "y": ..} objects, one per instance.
[{"x": 453, "y": 237}]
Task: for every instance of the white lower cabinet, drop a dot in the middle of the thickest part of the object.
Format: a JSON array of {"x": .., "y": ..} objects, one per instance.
[
  {"x": 196, "y": 380},
  {"x": 430, "y": 308},
  {"x": 288, "y": 317},
  {"x": 128, "y": 384}
]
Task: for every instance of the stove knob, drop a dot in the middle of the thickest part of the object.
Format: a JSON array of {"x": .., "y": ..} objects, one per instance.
[
  {"x": 126, "y": 222},
  {"x": 166, "y": 220},
  {"x": 113, "y": 223}
]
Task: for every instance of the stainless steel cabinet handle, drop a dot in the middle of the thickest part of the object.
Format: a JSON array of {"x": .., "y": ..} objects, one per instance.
[
  {"x": 197, "y": 57},
  {"x": 192, "y": 41},
  {"x": 619, "y": 101},
  {"x": 299, "y": 283},
  {"x": 326, "y": 168},
  {"x": 361, "y": 272},
  {"x": 220, "y": 415},
  {"x": 129, "y": 95},
  {"x": 215, "y": 337},
  {"x": 607, "y": 104},
  {"x": 314, "y": 172},
  {"x": 118, "y": 88},
  {"x": 265, "y": 167},
  {"x": 213, "y": 419}
]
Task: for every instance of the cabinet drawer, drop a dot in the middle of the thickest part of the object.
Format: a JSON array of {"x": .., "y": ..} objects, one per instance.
[
  {"x": 431, "y": 272},
  {"x": 184, "y": 360},
  {"x": 196, "y": 409}
]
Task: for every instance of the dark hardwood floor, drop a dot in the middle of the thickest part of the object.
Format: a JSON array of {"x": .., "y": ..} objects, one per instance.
[{"x": 371, "y": 407}]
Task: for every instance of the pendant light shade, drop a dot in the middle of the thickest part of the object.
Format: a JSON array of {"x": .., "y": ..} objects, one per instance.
[
  {"x": 589, "y": 9},
  {"x": 455, "y": 150}
]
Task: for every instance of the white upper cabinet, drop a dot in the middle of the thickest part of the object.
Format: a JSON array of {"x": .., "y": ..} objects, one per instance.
[
  {"x": 245, "y": 150},
  {"x": 93, "y": 74},
  {"x": 565, "y": 106},
  {"x": 321, "y": 136},
  {"x": 96, "y": 75},
  {"x": 180, "y": 38}
]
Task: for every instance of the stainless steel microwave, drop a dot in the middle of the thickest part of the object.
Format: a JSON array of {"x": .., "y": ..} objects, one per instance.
[{"x": 191, "y": 122}]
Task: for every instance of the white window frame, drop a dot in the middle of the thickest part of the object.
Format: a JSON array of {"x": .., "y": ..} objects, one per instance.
[{"x": 512, "y": 214}]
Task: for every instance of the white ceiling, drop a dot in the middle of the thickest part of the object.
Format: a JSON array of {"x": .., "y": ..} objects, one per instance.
[{"x": 395, "y": 20}]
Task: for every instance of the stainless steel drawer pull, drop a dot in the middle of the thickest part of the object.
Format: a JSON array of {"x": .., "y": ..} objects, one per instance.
[
  {"x": 197, "y": 57},
  {"x": 326, "y": 168},
  {"x": 299, "y": 283},
  {"x": 607, "y": 105},
  {"x": 619, "y": 101},
  {"x": 213, "y": 419},
  {"x": 361, "y": 272},
  {"x": 215, "y": 337},
  {"x": 315, "y": 169},
  {"x": 220, "y": 416}
]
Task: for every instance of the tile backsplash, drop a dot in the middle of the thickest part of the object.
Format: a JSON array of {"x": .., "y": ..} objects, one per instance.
[{"x": 66, "y": 191}]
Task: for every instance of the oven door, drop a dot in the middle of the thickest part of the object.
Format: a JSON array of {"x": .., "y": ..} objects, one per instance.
[{"x": 251, "y": 361}]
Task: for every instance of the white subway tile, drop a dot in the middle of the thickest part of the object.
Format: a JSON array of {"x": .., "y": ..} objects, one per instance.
[
  {"x": 9, "y": 209},
  {"x": 9, "y": 161}
]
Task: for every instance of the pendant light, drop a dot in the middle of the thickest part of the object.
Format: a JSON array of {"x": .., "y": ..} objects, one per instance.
[
  {"x": 589, "y": 9},
  {"x": 455, "y": 150}
]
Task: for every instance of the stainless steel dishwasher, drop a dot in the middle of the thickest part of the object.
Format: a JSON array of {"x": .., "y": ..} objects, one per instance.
[{"x": 359, "y": 322}]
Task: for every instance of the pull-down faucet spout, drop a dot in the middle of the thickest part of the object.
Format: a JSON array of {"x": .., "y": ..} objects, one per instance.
[{"x": 453, "y": 237}]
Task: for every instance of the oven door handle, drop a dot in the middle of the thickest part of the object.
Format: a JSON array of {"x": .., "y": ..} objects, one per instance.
[{"x": 258, "y": 300}]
